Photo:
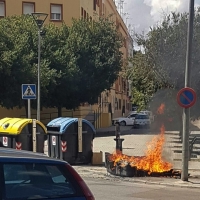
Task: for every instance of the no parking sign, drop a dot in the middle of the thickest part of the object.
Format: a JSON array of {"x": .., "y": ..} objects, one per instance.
[
  {"x": 186, "y": 97},
  {"x": 53, "y": 140},
  {"x": 5, "y": 141}
]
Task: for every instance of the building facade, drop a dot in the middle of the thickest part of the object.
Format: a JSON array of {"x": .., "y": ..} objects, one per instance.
[{"x": 115, "y": 101}]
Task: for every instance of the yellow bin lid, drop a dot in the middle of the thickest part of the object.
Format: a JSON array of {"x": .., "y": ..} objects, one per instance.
[{"x": 14, "y": 126}]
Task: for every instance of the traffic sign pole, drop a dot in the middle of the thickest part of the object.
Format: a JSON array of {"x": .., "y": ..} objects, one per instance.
[
  {"x": 34, "y": 139},
  {"x": 29, "y": 108},
  {"x": 186, "y": 111}
]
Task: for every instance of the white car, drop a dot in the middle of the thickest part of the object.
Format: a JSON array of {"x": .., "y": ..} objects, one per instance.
[
  {"x": 146, "y": 112},
  {"x": 125, "y": 121},
  {"x": 142, "y": 120}
]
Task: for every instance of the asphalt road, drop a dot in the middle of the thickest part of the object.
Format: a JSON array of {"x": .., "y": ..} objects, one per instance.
[{"x": 118, "y": 190}]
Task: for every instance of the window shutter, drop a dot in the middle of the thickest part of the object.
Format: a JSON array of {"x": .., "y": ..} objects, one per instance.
[
  {"x": 28, "y": 8},
  {"x": 2, "y": 9},
  {"x": 56, "y": 9}
]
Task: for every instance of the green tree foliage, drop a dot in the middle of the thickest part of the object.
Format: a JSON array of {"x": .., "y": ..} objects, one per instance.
[
  {"x": 143, "y": 80},
  {"x": 18, "y": 58},
  {"x": 165, "y": 52},
  {"x": 96, "y": 46},
  {"x": 77, "y": 62},
  {"x": 56, "y": 49},
  {"x": 88, "y": 57}
]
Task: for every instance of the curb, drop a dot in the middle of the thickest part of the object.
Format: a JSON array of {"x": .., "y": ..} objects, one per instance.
[
  {"x": 105, "y": 133},
  {"x": 110, "y": 177},
  {"x": 162, "y": 183}
]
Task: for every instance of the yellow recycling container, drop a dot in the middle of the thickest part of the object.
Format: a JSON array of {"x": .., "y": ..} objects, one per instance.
[{"x": 17, "y": 133}]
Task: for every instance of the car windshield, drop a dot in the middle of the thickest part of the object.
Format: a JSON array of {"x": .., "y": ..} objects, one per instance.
[
  {"x": 38, "y": 181},
  {"x": 142, "y": 117},
  {"x": 131, "y": 115}
]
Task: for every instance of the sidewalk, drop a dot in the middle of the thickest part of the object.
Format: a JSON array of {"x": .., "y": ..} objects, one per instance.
[
  {"x": 135, "y": 145},
  {"x": 100, "y": 172}
]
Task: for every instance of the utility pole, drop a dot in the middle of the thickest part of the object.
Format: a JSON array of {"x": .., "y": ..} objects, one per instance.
[{"x": 186, "y": 111}]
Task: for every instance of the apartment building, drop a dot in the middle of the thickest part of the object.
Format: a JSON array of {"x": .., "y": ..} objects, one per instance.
[
  {"x": 119, "y": 95},
  {"x": 57, "y": 10},
  {"x": 115, "y": 101}
]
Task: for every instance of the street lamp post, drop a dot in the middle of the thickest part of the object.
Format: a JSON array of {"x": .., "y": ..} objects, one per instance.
[{"x": 39, "y": 18}]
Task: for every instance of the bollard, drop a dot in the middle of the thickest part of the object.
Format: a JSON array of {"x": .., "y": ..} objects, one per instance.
[
  {"x": 118, "y": 139},
  {"x": 119, "y": 144},
  {"x": 117, "y": 130}
]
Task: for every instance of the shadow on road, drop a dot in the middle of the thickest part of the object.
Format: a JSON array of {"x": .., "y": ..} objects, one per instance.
[
  {"x": 155, "y": 129},
  {"x": 130, "y": 131}
]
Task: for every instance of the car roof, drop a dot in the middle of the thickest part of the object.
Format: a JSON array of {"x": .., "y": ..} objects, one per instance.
[
  {"x": 139, "y": 113},
  {"x": 142, "y": 114},
  {"x": 12, "y": 154}
]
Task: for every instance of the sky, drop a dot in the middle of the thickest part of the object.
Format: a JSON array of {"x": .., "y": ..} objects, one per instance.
[{"x": 141, "y": 14}]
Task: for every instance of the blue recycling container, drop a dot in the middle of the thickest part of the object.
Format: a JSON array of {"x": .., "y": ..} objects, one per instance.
[{"x": 63, "y": 142}]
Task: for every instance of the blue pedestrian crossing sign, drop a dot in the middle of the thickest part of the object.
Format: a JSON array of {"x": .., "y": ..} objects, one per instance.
[{"x": 28, "y": 91}]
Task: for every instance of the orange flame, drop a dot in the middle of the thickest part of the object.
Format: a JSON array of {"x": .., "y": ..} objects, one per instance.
[
  {"x": 152, "y": 161},
  {"x": 161, "y": 109}
]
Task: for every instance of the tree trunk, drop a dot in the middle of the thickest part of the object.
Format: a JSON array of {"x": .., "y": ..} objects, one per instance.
[{"x": 59, "y": 111}]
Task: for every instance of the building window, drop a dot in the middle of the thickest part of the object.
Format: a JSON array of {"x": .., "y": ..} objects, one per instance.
[
  {"x": 98, "y": 3},
  {"x": 94, "y": 5},
  {"x": 56, "y": 12},
  {"x": 120, "y": 104},
  {"x": 125, "y": 43},
  {"x": 2, "y": 9},
  {"x": 116, "y": 104},
  {"x": 127, "y": 105},
  {"x": 103, "y": 9},
  {"x": 84, "y": 14},
  {"x": 82, "y": 10},
  {"x": 28, "y": 8}
]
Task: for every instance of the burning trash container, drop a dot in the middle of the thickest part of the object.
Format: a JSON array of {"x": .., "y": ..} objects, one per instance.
[{"x": 71, "y": 139}]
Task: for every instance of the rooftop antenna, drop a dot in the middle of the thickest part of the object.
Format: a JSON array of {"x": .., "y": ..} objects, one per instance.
[
  {"x": 126, "y": 17},
  {"x": 131, "y": 30},
  {"x": 121, "y": 7}
]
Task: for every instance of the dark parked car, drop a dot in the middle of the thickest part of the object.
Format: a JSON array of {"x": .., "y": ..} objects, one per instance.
[{"x": 27, "y": 175}]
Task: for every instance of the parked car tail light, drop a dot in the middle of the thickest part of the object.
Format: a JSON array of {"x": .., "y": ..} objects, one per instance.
[{"x": 86, "y": 191}]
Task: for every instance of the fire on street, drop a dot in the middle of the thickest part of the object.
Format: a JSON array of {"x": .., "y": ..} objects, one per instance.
[{"x": 150, "y": 164}]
